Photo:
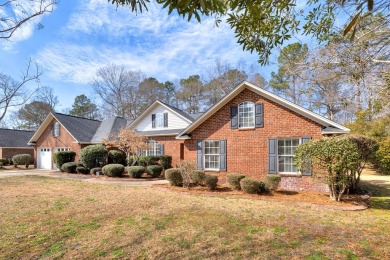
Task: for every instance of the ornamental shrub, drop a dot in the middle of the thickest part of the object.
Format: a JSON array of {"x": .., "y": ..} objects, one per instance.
[
  {"x": 198, "y": 177},
  {"x": 383, "y": 156},
  {"x": 95, "y": 170},
  {"x": 113, "y": 170},
  {"x": 148, "y": 160},
  {"x": 233, "y": 179},
  {"x": 69, "y": 167},
  {"x": 93, "y": 156},
  {"x": 63, "y": 157},
  {"x": 166, "y": 161},
  {"x": 154, "y": 170},
  {"x": 4, "y": 161},
  {"x": 21, "y": 159},
  {"x": 211, "y": 181},
  {"x": 82, "y": 170},
  {"x": 272, "y": 181},
  {"x": 135, "y": 171},
  {"x": 249, "y": 185},
  {"x": 174, "y": 177},
  {"x": 116, "y": 156}
]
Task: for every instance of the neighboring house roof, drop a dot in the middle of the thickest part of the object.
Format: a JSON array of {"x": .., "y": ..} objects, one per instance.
[
  {"x": 329, "y": 125},
  {"x": 83, "y": 130},
  {"x": 161, "y": 132},
  {"x": 14, "y": 138}
]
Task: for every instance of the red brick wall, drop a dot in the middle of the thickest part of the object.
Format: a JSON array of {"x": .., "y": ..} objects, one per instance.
[
  {"x": 46, "y": 140},
  {"x": 247, "y": 150},
  {"x": 8, "y": 153},
  {"x": 171, "y": 147}
]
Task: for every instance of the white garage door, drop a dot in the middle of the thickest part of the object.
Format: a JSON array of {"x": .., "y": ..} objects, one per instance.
[{"x": 44, "y": 158}]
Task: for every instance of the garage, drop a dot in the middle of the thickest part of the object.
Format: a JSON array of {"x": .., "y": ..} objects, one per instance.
[{"x": 44, "y": 158}]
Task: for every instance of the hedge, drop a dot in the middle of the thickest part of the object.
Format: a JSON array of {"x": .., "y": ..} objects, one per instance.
[
  {"x": 135, "y": 171},
  {"x": 95, "y": 170},
  {"x": 211, "y": 181},
  {"x": 63, "y": 157},
  {"x": 174, "y": 177},
  {"x": 252, "y": 186},
  {"x": 69, "y": 167},
  {"x": 166, "y": 161},
  {"x": 233, "y": 179},
  {"x": 154, "y": 170},
  {"x": 93, "y": 156},
  {"x": 82, "y": 170},
  {"x": 198, "y": 177},
  {"x": 21, "y": 159},
  {"x": 113, "y": 170},
  {"x": 116, "y": 156}
]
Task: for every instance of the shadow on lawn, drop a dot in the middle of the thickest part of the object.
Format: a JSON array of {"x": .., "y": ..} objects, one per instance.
[{"x": 380, "y": 193}]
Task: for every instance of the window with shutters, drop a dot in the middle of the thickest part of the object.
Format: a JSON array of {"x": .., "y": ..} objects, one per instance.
[
  {"x": 211, "y": 155},
  {"x": 246, "y": 115},
  {"x": 159, "y": 120},
  {"x": 56, "y": 130},
  {"x": 286, "y": 155},
  {"x": 155, "y": 149}
]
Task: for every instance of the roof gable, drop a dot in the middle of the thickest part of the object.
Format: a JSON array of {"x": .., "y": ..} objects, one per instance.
[
  {"x": 14, "y": 138},
  {"x": 326, "y": 123}
]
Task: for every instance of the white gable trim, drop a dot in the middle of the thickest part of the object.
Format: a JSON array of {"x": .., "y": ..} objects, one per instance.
[
  {"x": 268, "y": 95},
  {"x": 150, "y": 108}
]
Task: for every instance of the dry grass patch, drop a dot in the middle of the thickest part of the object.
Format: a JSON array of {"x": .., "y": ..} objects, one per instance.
[{"x": 53, "y": 218}]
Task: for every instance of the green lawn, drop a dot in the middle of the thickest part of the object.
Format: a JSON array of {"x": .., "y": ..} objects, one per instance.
[{"x": 52, "y": 218}]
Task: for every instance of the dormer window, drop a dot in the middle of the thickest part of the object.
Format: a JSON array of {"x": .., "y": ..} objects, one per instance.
[
  {"x": 246, "y": 115},
  {"x": 56, "y": 129},
  {"x": 159, "y": 120}
]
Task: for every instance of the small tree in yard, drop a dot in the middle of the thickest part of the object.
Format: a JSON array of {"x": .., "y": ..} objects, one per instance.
[
  {"x": 333, "y": 157},
  {"x": 186, "y": 169},
  {"x": 129, "y": 142}
]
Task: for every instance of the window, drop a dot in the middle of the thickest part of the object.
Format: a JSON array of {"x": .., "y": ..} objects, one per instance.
[
  {"x": 286, "y": 155},
  {"x": 155, "y": 149},
  {"x": 246, "y": 115},
  {"x": 56, "y": 130},
  {"x": 211, "y": 155},
  {"x": 159, "y": 120},
  {"x": 62, "y": 149}
]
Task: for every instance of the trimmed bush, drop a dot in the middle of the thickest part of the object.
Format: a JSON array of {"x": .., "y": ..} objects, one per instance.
[
  {"x": 82, "y": 170},
  {"x": 174, "y": 177},
  {"x": 154, "y": 170},
  {"x": 211, "y": 181},
  {"x": 63, "y": 157},
  {"x": 4, "y": 161},
  {"x": 93, "y": 156},
  {"x": 1, "y": 165},
  {"x": 95, "y": 170},
  {"x": 198, "y": 177},
  {"x": 69, "y": 167},
  {"x": 135, "y": 171},
  {"x": 116, "y": 156},
  {"x": 166, "y": 161},
  {"x": 234, "y": 180},
  {"x": 21, "y": 159},
  {"x": 252, "y": 186},
  {"x": 383, "y": 156},
  {"x": 113, "y": 170},
  {"x": 272, "y": 181},
  {"x": 148, "y": 160}
]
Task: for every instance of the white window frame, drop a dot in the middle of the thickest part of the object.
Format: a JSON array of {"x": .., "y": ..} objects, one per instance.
[
  {"x": 159, "y": 120},
  {"x": 246, "y": 115},
  {"x": 212, "y": 154},
  {"x": 154, "y": 148},
  {"x": 287, "y": 155},
  {"x": 62, "y": 149}
]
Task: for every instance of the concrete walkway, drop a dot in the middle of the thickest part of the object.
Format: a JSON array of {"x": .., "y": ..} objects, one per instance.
[{"x": 82, "y": 177}]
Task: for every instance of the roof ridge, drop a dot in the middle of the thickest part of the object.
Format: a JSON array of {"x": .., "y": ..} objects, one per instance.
[
  {"x": 16, "y": 129},
  {"x": 76, "y": 116}
]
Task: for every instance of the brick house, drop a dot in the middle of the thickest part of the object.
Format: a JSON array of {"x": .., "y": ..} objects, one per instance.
[
  {"x": 13, "y": 142},
  {"x": 60, "y": 132},
  {"x": 255, "y": 132}
]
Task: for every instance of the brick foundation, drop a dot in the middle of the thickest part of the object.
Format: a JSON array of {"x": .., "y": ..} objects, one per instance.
[{"x": 302, "y": 183}]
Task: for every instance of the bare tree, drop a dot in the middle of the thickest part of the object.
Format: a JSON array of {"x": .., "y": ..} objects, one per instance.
[
  {"x": 46, "y": 94},
  {"x": 15, "y": 13},
  {"x": 14, "y": 93}
]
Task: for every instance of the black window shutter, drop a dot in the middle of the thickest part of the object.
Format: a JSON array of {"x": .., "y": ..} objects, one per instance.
[
  {"x": 153, "y": 120},
  {"x": 307, "y": 167},
  {"x": 233, "y": 117},
  {"x": 222, "y": 155},
  {"x": 165, "y": 119},
  {"x": 199, "y": 155},
  {"x": 272, "y": 155},
  {"x": 259, "y": 115}
]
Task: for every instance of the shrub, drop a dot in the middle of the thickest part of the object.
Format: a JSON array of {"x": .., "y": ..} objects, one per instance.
[
  {"x": 383, "y": 156},
  {"x": 263, "y": 188},
  {"x": 234, "y": 179},
  {"x": 80, "y": 164},
  {"x": 211, "y": 181},
  {"x": 82, "y": 170},
  {"x": 135, "y": 171},
  {"x": 63, "y": 157},
  {"x": 69, "y": 167},
  {"x": 148, "y": 160},
  {"x": 4, "y": 161},
  {"x": 174, "y": 177},
  {"x": 1, "y": 165},
  {"x": 116, "y": 156},
  {"x": 186, "y": 168},
  {"x": 166, "y": 161},
  {"x": 272, "y": 181},
  {"x": 198, "y": 177},
  {"x": 249, "y": 185},
  {"x": 95, "y": 170},
  {"x": 93, "y": 156},
  {"x": 113, "y": 170},
  {"x": 154, "y": 170},
  {"x": 21, "y": 159},
  {"x": 11, "y": 162}
]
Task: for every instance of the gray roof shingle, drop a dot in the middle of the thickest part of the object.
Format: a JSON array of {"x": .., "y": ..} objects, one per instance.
[
  {"x": 108, "y": 128},
  {"x": 14, "y": 138}
]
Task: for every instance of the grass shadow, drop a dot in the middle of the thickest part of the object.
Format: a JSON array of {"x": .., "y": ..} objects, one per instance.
[{"x": 380, "y": 194}]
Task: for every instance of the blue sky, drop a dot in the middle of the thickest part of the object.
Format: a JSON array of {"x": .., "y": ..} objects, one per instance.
[{"x": 81, "y": 36}]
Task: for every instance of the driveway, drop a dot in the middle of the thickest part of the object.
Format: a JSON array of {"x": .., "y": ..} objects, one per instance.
[{"x": 82, "y": 177}]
